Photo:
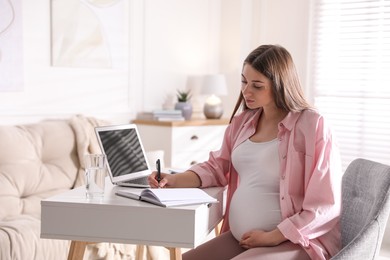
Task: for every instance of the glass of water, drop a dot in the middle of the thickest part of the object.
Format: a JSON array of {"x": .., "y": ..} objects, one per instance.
[{"x": 95, "y": 173}]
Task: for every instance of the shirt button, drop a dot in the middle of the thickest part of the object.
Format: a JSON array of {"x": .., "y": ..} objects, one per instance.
[
  {"x": 283, "y": 198},
  {"x": 283, "y": 176},
  {"x": 284, "y": 156}
]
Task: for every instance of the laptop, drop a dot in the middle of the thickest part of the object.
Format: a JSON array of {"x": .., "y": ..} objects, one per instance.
[{"x": 127, "y": 163}]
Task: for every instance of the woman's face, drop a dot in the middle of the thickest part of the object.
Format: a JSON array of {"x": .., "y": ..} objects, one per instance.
[{"x": 256, "y": 88}]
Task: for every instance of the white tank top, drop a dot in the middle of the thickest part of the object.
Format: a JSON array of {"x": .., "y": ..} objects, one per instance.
[{"x": 255, "y": 203}]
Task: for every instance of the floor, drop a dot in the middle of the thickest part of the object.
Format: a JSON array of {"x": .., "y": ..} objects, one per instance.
[{"x": 384, "y": 253}]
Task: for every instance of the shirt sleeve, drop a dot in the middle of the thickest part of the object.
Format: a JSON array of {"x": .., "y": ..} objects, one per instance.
[{"x": 214, "y": 171}]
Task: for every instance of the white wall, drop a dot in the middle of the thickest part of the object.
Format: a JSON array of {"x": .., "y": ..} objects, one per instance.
[
  {"x": 180, "y": 40},
  {"x": 168, "y": 41},
  {"x": 247, "y": 24},
  {"x": 287, "y": 23},
  {"x": 59, "y": 92}
]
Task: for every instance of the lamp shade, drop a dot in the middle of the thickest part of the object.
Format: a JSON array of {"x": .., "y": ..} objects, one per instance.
[{"x": 214, "y": 85}]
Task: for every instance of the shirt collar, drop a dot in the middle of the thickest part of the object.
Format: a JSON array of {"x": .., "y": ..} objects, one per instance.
[{"x": 289, "y": 121}]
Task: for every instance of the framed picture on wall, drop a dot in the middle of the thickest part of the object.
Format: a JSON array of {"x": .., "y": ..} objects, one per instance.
[
  {"x": 88, "y": 33},
  {"x": 11, "y": 45}
]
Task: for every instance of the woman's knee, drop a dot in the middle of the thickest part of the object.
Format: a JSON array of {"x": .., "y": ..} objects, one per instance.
[{"x": 224, "y": 246}]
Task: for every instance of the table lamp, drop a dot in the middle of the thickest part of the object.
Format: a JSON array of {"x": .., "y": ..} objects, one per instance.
[{"x": 213, "y": 86}]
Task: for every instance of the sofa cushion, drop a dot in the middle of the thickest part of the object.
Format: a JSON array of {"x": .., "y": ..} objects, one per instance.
[
  {"x": 19, "y": 239},
  {"x": 36, "y": 161}
]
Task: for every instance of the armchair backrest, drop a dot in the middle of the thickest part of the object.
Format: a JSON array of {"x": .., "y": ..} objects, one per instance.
[{"x": 365, "y": 209}]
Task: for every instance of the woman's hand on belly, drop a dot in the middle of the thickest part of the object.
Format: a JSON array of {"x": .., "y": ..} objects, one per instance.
[{"x": 259, "y": 238}]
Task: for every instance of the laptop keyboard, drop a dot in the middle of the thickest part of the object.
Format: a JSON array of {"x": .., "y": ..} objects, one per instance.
[{"x": 142, "y": 180}]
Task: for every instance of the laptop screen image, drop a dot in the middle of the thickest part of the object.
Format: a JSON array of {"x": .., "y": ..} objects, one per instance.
[{"x": 125, "y": 154}]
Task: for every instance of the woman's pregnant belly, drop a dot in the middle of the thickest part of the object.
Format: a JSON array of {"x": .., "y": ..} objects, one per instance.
[{"x": 251, "y": 209}]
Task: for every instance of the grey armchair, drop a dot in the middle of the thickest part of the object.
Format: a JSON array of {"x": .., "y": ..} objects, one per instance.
[{"x": 365, "y": 210}]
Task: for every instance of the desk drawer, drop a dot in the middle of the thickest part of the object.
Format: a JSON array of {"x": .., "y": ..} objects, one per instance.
[
  {"x": 187, "y": 159},
  {"x": 197, "y": 138}
]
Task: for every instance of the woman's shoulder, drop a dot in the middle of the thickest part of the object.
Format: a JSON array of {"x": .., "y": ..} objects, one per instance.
[
  {"x": 312, "y": 119},
  {"x": 301, "y": 118},
  {"x": 310, "y": 114}
]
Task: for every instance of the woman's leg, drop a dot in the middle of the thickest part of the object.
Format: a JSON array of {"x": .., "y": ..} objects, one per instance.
[
  {"x": 286, "y": 250},
  {"x": 222, "y": 247}
]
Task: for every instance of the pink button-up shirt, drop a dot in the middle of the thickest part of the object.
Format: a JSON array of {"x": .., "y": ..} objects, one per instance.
[{"x": 310, "y": 178}]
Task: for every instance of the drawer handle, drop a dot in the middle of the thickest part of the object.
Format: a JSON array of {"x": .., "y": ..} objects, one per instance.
[
  {"x": 194, "y": 137},
  {"x": 193, "y": 162}
]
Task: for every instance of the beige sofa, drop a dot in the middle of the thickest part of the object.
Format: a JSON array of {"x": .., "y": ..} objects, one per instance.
[{"x": 38, "y": 161}]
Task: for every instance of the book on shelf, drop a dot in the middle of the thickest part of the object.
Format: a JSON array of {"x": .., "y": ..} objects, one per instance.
[
  {"x": 169, "y": 118},
  {"x": 167, "y": 112},
  {"x": 169, "y": 197},
  {"x": 162, "y": 115}
]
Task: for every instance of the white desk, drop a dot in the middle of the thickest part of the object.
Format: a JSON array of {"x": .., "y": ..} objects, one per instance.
[{"x": 71, "y": 216}]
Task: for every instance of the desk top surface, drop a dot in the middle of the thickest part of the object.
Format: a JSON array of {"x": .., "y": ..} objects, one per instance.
[
  {"x": 76, "y": 198},
  {"x": 71, "y": 216}
]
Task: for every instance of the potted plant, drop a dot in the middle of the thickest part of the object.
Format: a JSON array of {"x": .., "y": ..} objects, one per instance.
[{"x": 183, "y": 104}]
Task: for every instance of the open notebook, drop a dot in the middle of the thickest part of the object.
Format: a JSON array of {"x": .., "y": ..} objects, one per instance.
[{"x": 169, "y": 197}]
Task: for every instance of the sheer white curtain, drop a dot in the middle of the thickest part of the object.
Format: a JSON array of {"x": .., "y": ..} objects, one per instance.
[{"x": 350, "y": 74}]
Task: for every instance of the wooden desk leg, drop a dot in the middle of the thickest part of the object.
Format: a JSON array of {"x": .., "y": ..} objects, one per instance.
[
  {"x": 139, "y": 252},
  {"x": 175, "y": 253},
  {"x": 217, "y": 229},
  {"x": 76, "y": 250}
]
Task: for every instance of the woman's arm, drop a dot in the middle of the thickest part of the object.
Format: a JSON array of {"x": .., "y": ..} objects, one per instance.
[
  {"x": 215, "y": 170},
  {"x": 317, "y": 211},
  {"x": 187, "y": 179}
]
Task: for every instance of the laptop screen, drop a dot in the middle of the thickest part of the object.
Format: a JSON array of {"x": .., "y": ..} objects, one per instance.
[{"x": 123, "y": 148}]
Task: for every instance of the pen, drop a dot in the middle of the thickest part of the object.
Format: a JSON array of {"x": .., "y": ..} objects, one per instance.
[{"x": 158, "y": 167}]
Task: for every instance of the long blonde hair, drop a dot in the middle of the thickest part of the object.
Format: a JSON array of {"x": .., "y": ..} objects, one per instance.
[{"x": 276, "y": 63}]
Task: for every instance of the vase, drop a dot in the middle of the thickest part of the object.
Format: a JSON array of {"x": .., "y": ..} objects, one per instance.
[
  {"x": 186, "y": 109},
  {"x": 213, "y": 111}
]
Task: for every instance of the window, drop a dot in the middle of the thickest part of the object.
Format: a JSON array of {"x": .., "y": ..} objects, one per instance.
[{"x": 351, "y": 74}]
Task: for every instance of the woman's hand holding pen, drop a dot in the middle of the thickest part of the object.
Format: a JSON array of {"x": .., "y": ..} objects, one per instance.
[
  {"x": 166, "y": 180},
  {"x": 187, "y": 179},
  {"x": 158, "y": 179}
]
